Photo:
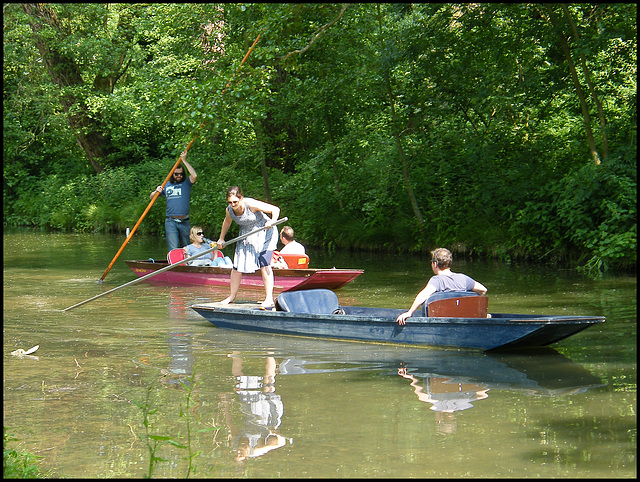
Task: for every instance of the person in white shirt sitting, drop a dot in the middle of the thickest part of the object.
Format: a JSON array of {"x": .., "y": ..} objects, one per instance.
[{"x": 291, "y": 246}]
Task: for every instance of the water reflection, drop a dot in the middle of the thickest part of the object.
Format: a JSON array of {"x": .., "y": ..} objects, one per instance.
[
  {"x": 180, "y": 341},
  {"x": 540, "y": 372},
  {"x": 445, "y": 394},
  {"x": 74, "y": 406},
  {"x": 451, "y": 384},
  {"x": 262, "y": 409},
  {"x": 181, "y": 358},
  {"x": 447, "y": 381},
  {"x": 178, "y": 304}
]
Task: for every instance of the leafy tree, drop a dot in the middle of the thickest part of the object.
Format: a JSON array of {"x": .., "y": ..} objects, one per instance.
[{"x": 373, "y": 126}]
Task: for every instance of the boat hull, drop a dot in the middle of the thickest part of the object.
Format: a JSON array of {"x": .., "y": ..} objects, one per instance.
[
  {"x": 284, "y": 279},
  {"x": 501, "y": 331}
]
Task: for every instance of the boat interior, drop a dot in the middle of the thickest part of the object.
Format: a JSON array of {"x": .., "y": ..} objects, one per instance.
[{"x": 453, "y": 304}]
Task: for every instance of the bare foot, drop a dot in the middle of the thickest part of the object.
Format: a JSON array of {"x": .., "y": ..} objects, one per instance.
[
  {"x": 227, "y": 301},
  {"x": 267, "y": 305}
]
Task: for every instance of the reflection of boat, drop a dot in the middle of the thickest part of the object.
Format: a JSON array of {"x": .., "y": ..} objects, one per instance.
[
  {"x": 545, "y": 373},
  {"x": 316, "y": 313},
  {"x": 539, "y": 372},
  {"x": 284, "y": 279}
]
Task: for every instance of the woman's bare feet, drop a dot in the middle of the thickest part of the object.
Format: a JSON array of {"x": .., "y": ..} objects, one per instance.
[{"x": 227, "y": 301}]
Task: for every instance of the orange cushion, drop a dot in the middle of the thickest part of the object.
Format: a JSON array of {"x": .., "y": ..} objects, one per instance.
[{"x": 296, "y": 261}]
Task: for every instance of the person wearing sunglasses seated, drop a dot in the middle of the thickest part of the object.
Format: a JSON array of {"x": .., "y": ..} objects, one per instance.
[{"x": 200, "y": 244}]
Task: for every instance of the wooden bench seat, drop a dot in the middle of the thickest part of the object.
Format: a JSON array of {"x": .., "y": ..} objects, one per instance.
[{"x": 456, "y": 304}]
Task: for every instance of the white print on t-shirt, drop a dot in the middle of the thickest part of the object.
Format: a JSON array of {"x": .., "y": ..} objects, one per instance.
[{"x": 174, "y": 191}]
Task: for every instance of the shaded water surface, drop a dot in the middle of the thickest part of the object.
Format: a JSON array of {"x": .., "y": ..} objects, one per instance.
[{"x": 252, "y": 405}]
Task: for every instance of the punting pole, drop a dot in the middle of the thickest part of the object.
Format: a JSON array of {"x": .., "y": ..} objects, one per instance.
[
  {"x": 166, "y": 268},
  {"x": 175, "y": 166}
]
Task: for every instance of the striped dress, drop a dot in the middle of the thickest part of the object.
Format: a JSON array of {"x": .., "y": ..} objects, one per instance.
[{"x": 245, "y": 259}]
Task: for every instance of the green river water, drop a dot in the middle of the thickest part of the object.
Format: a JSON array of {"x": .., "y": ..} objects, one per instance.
[{"x": 273, "y": 406}]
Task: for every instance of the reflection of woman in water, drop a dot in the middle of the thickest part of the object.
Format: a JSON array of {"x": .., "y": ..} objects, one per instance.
[{"x": 263, "y": 411}]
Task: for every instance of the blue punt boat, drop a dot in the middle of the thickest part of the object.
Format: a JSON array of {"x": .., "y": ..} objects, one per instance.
[{"x": 452, "y": 319}]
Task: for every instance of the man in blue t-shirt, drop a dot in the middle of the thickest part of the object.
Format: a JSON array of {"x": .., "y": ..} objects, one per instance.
[
  {"x": 444, "y": 280},
  {"x": 178, "y": 194}
]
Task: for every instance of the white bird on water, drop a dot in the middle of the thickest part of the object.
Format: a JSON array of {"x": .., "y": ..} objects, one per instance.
[{"x": 20, "y": 352}]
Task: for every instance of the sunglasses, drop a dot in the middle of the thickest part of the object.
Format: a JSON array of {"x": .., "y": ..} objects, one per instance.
[
  {"x": 178, "y": 173},
  {"x": 200, "y": 233}
]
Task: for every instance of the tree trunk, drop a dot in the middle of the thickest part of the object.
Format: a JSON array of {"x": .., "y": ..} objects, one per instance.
[
  {"x": 592, "y": 89},
  {"x": 403, "y": 159},
  {"x": 258, "y": 129},
  {"x": 64, "y": 73},
  {"x": 396, "y": 136},
  {"x": 336, "y": 179},
  {"x": 576, "y": 82}
]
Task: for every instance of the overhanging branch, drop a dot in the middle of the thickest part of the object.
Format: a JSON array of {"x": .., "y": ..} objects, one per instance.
[{"x": 320, "y": 32}]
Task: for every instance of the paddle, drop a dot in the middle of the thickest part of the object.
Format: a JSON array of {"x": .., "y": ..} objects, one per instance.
[
  {"x": 166, "y": 268},
  {"x": 175, "y": 166}
]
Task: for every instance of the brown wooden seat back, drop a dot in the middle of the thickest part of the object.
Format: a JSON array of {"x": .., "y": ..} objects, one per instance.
[{"x": 457, "y": 305}]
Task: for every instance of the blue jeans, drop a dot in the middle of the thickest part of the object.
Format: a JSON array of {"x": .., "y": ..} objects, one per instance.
[{"x": 177, "y": 233}]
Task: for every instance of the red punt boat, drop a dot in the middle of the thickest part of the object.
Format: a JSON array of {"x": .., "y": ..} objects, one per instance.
[{"x": 284, "y": 279}]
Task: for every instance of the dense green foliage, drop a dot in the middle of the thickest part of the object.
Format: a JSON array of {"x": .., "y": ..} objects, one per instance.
[
  {"x": 494, "y": 129},
  {"x": 19, "y": 464}
]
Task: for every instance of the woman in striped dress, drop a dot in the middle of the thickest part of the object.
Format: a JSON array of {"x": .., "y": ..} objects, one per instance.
[{"x": 254, "y": 252}]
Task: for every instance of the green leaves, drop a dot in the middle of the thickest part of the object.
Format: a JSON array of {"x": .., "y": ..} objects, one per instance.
[
  {"x": 590, "y": 214},
  {"x": 486, "y": 129}
]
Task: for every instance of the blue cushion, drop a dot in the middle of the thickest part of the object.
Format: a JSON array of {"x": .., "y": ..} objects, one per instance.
[{"x": 318, "y": 301}]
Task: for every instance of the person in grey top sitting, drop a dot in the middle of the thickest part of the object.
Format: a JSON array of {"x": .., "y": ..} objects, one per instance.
[
  {"x": 444, "y": 280},
  {"x": 200, "y": 244}
]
